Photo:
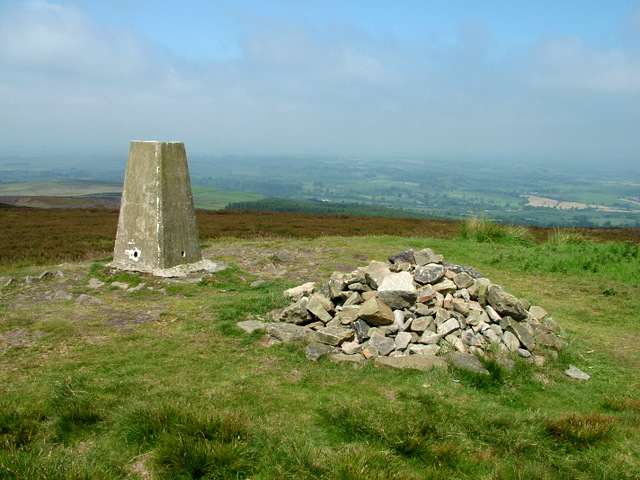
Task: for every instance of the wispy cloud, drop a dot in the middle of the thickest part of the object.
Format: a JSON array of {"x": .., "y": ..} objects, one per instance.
[{"x": 67, "y": 80}]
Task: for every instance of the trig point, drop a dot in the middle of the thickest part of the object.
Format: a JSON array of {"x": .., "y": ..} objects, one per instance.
[{"x": 157, "y": 227}]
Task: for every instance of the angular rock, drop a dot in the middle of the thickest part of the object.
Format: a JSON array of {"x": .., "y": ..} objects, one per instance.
[
  {"x": 362, "y": 329},
  {"x": 370, "y": 352},
  {"x": 575, "y": 372},
  {"x": 476, "y": 317},
  {"x": 429, "y": 338},
  {"x": 318, "y": 307},
  {"x": 375, "y": 312},
  {"x": 420, "y": 324},
  {"x": 429, "y": 274},
  {"x": 402, "y": 340},
  {"x": 445, "y": 286},
  {"x": 432, "y": 349},
  {"x": 288, "y": 332},
  {"x": 89, "y": 301},
  {"x": 384, "y": 345},
  {"x": 456, "y": 342},
  {"x": 403, "y": 257},
  {"x": 398, "y": 291},
  {"x": 426, "y": 256},
  {"x": 296, "y": 293},
  {"x": 348, "y": 314},
  {"x": 460, "y": 306},
  {"x": 492, "y": 336},
  {"x": 449, "y": 326},
  {"x": 493, "y": 315},
  {"x": 549, "y": 340},
  {"x": 62, "y": 295},
  {"x": 524, "y": 334},
  {"x": 505, "y": 304},
  {"x": 479, "y": 289},
  {"x": 351, "y": 348},
  {"x": 250, "y": 326},
  {"x": 334, "y": 335},
  {"x": 511, "y": 341},
  {"x": 316, "y": 350},
  {"x": 426, "y": 295},
  {"x": 336, "y": 284},
  {"x": 466, "y": 361},
  {"x": 94, "y": 283},
  {"x": 472, "y": 339},
  {"x": 463, "y": 280},
  {"x": 338, "y": 357},
  {"x": 423, "y": 363},
  {"x": 295, "y": 313},
  {"x": 375, "y": 273},
  {"x": 353, "y": 298},
  {"x": 455, "y": 268}
]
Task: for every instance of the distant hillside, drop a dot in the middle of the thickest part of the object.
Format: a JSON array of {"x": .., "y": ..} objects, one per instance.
[
  {"x": 317, "y": 206},
  {"x": 93, "y": 194},
  {"x": 60, "y": 188}
]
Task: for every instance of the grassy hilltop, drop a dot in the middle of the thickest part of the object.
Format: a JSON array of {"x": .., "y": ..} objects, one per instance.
[{"x": 158, "y": 382}]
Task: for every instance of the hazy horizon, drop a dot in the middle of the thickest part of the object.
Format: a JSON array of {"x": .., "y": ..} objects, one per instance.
[{"x": 536, "y": 82}]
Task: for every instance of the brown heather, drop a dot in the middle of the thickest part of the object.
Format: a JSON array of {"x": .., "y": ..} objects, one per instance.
[{"x": 45, "y": 236}]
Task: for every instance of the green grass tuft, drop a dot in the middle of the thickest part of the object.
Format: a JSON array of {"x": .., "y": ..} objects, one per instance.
[
  {"x": 483, "y": 230},
  {"x": 581, "y": 430}
]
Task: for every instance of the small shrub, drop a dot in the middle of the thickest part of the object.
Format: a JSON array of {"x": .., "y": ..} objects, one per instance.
[{"x": 581, "y": 430}]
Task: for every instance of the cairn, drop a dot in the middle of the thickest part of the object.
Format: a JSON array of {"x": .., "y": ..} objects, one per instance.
[{"x": 415, "y": 305}]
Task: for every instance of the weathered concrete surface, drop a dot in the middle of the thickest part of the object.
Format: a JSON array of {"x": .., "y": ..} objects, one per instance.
[{"x": 157, "y": 227}]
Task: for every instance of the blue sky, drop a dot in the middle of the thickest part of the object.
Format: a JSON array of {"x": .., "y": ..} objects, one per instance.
[{"x": 531, "y": 81}]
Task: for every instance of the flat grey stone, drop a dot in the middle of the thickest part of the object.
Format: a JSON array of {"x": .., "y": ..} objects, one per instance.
[
  {"x": 426, "y": 255},
  {"x": 89, "y": 300},
  {"x": 345, "y": 358},
  {"x": 334, "y": 335},
  {"x": 316, "y": 350},
  {"x": 423, "y": 363},
  {"x": 376, "y": 272},
  {"x": 288, "y": 332},
  {"x": 250, "y": 326},
  {"x": 296, "y": 293},
  {"x": 466, "y": 361},
  {"x": 384, "y": 345},
  {"x": 505, "y": 304},
  {"x": 449, "y": 326},
  {"x": 95, "y": 283},
  {"x": 431, "y": 273},
  {"x": 376, "y": 312},
  {"x": 575, "y": 372},
  {"x": 402, "y": 340},
  {"x": 398, "y": 291}
]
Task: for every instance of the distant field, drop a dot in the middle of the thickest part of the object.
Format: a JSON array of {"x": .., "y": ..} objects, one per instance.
[
  {"x": 58, "y": 188},
  {"x": 215, "y": 199},
  {"x": 74, "y": 194}
]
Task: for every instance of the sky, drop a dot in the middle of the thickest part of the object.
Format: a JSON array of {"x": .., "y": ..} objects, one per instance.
[{"x": 539, "y": 80}]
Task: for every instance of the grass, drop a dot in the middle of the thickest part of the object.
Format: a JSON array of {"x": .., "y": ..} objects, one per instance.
[
  {"x": 187, "y": 394},
  {"x": 485, "y": 231}
]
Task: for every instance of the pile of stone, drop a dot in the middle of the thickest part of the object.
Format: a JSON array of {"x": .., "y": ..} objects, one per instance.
[{"x": 413, "y": 305}]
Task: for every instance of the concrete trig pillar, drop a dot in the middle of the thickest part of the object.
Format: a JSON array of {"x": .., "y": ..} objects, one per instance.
[{"x": 157, "y": 226}]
